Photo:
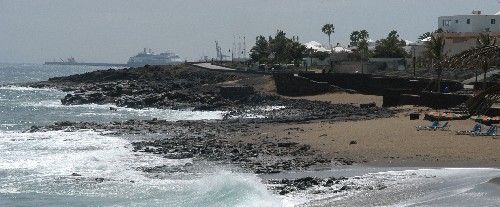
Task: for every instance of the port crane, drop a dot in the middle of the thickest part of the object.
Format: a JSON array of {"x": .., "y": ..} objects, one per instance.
[{"x": 218, "y": 49}]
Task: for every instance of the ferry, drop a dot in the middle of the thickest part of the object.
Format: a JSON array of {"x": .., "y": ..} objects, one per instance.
[{"x": 150, "y": 58}]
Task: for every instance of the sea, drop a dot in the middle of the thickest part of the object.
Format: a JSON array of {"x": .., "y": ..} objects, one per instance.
[{"x": 97, "y": 168}]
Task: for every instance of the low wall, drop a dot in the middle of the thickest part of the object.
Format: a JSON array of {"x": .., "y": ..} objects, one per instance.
[
  {"x": 427, "y": 99},
  {"x": 442, "y": 100},
  {"x": 395, "y": 97},
  {"x": 293, "y": 85},
  {"x": 377, "y": 85}
]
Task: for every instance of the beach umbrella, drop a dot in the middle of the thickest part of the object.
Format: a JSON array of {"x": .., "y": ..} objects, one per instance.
[
  {"x": 486, "y": 119},
  {"x": 444, "y": 115}
]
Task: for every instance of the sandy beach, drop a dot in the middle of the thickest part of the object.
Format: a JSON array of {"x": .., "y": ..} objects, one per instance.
[
  {"x": 304, "y": 142},
  {"x": 388, "y": 141},
  {"x": 392, "y": 141}
]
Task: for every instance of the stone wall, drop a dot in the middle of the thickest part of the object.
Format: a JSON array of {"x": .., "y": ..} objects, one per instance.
[
  {"x": 427, "y": 99},
  {"x": 442, "y": 100},
  {"x": 376, "y": 85},
  {"x": 294, "y": 85},
  {"x": 395, "y": 90}
]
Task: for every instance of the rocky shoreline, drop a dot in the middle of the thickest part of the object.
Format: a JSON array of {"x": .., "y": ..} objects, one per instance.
[
  {"x": 187, "y": 87},
  {"x": 241, "y": 96}
]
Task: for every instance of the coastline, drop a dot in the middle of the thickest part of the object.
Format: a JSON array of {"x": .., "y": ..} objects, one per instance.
[
  {"x": 389, "y": 142},
  {"x": 270, "y": 135},
  {"x": 331, "y": 125}
]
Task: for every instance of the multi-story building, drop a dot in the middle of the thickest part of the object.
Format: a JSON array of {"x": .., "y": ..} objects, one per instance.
[
  {"x": 472, "y": 23},
  {"x": 462, "y": 31}
]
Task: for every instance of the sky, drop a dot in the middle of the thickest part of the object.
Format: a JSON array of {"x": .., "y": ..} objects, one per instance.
[{"x": 34, "y": 31}]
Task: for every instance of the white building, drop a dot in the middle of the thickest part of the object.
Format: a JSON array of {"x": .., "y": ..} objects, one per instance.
[
  {"x": 462, "y": 31},
  {"x": 474, "y": 23},
  {"x": 316, "y": 46}
]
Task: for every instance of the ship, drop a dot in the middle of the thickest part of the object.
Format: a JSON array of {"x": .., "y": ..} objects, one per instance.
[
  {"x": 72, "y": 61},
  {"x": 150, "y": 58}
]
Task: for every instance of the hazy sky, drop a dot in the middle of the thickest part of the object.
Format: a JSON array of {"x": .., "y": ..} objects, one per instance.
[{"x": 34, "y": 31}]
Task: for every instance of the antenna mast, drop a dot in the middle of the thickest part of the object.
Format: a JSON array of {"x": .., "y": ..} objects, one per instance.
[{"x": 244, "y": 48}]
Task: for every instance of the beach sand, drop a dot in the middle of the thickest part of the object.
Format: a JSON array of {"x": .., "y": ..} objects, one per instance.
[
  {"x": 385, "y": 142},
  {"x": 344, "y": 98}
]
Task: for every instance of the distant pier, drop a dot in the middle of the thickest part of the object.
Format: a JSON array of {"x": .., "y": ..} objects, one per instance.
[{"x": 86, "y": 64}]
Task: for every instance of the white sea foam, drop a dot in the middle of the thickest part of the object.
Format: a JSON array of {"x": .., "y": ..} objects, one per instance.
[
  {"x": 58, "y": 104},
  {"x": 130, "y": 113},
  {"x": 22, "y": 88},
  {"x": 428, "y": 187},
  {"x": 41, "y": 164}
]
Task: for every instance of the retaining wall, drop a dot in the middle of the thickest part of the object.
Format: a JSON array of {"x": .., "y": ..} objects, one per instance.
[
  {"x": 395, "y": 90},
  {"x": 293, "y": 85},
  {"x": 376, "y": 85}
]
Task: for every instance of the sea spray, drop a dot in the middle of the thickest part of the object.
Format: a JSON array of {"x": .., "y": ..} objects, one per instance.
[{"x": 57, "y": 166}]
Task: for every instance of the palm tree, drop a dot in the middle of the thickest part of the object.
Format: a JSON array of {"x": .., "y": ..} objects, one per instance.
[
  {"x": 328, "y": 29},
  {"x": 354, "y": 37},
  {"x": 483, "y": 41},
  {"x": 435, "y": 51},
  {"x": 363, "y": 34}
]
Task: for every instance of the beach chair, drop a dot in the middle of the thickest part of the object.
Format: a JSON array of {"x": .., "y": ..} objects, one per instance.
[
  {"x": 475, "y": 129},
  {"x": 492, "y": 131},
  {"x": 433, "y": 126},
  {"x": 446, "y": 126}
]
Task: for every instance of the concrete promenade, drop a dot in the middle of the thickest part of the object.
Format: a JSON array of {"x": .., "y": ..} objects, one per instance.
[
  {"x": 480, "y": 77},
  {"x": 209, "y": 66}
]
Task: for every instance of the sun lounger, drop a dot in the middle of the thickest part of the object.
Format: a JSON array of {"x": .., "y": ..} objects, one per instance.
[
  {"x": 476, "y": 129},
  {"x": 446, "y": 126},
  {"x": 435, "y": 126},
  {"x": 492, "y": 131}
]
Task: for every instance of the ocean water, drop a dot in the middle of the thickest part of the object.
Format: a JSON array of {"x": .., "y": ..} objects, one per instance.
[
  {"x": 93, "y": 168},
  {"x": 36, "y": 168}
]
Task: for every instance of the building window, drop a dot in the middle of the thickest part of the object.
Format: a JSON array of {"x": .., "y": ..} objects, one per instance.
[
  {"x": 468, "y": 21},
  {"x": 446, "y": 23},
  {"x": 493, "y": 21},
  {"x": 456, "y": 21}
]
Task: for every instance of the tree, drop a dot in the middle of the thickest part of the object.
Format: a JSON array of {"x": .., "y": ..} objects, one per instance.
[
  {"x": 279, "y": 49},
  {"x": 328, "y": 29},
  {"x": 360, "y": 40},
  {"x": 483, "y": 41},
  {"x": 363, "y": 35},
  {"x": 435, "y": 51},
  {"x": 357, "y": 36},
  {"x": 296, "y": 51},
  {"x": 260, "y": 52},
  {"x": 354, "y": 37},
  {"x": 390, "y": 47}
]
